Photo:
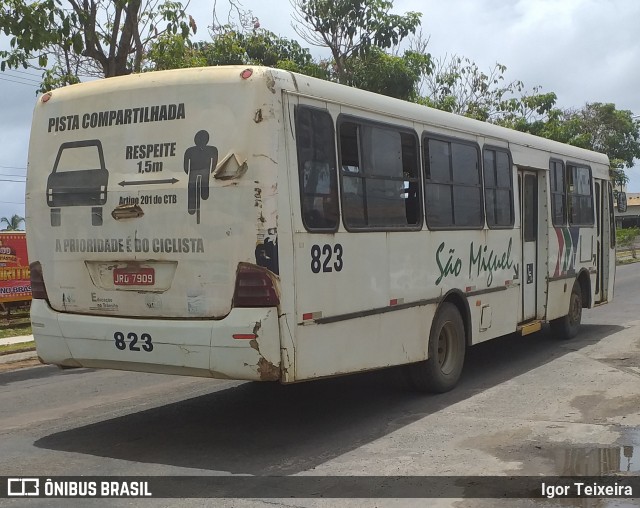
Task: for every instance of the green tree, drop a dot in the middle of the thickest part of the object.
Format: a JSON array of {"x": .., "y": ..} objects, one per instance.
[
  {"x": 395, "y": 76},
  {"x": 262, "y": 47},
  {"x": 351, "y": 28},
  {"x": 240, "y": 40},
  {"x": 603, "y": 128},
  {"x": 101, "y": 38},
  {"x": 233, "y": 47},
  {"x": 173, "y": 51},
  {"x": 456, "y": 84},
  {"x": 599, "y": 127},
  {"x": 13, "y": 223}
]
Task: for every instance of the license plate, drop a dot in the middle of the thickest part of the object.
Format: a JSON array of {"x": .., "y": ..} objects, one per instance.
[{"x": 134, "y": 276}]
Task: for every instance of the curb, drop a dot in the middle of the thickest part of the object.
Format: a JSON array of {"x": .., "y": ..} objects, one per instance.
[
  {"x": 16, "y": 351},
  {"x": 19, "y": 356}
]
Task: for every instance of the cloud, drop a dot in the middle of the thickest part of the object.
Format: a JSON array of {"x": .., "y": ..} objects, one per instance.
[
  {"x": 584, "y": 50},
  {"x": 18, "y": 101}
]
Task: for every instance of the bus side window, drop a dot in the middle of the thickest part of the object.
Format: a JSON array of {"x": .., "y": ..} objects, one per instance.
[
  {"x": 579, "y": 196},
  {"x": 411, "y": 174},
  {"x": 354, "y": 210},
  {"x": 558, "y": 193},
  {"x": 453, "y": 186},
  {"x": 380, "y": 176},
  {"x": 498, "y": 188},
  {"x": 317, "y": 169}
]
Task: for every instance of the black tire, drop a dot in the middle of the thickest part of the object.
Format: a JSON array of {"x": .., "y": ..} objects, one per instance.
[
  {"x": 567, "y": 327},
  {"x": 447, "y": 344}
]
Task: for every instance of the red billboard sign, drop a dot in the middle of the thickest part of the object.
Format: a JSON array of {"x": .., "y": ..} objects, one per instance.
[{"x": 15, "y": 283}]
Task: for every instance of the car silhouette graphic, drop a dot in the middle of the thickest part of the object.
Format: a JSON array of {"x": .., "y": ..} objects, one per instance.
[{"x": 79, "y": 178}]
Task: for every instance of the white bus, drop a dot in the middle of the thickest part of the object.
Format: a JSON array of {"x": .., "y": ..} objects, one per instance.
[{"x": 256, "y": 224}]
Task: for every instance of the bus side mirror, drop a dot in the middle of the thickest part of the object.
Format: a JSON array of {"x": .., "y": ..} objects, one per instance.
[{"x": 622, "y": 202}]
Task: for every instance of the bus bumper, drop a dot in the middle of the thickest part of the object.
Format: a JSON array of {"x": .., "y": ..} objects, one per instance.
[{"x": 205, "y": 348}]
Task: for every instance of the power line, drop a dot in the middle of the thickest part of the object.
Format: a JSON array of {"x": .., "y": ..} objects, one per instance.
[
  {"x": 19, "y": 82},
  {"x": 6, "y": 174},
  {"x": 12, "y": 202},
  {"x": 37, "y": 81},
  {"x": 11, "y": 167},
  {"x": 22, "y": 72},
  {"x": 9, "y": 180}
]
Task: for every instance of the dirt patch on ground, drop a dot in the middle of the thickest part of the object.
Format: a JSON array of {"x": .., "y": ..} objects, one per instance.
[
  {"x": 594, "y": 407},
  {"x": 20, "y": 364}
]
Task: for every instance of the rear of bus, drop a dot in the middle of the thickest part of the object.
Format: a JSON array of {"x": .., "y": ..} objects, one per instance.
[{"x": 152, "y": 224}]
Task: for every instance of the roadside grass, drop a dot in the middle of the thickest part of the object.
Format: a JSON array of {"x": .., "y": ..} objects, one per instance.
[
  {"x": 15, "y": 330},
  {"x": 17, "y": 348},
  {"x": 15, "y": 324},
  {"x": 625, "y": 258}
]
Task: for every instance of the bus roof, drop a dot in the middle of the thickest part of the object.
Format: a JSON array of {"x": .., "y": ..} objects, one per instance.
[
  {"x": 518, "y": 141},
  {"x": 269, "y": 79}
]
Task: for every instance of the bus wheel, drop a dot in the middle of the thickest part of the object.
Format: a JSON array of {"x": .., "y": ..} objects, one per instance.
[
  {"x": 567, "y": 326},
  {"x": 447, "y": 344}
]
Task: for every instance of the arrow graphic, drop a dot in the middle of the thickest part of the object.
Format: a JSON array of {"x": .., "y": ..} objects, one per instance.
[{"x": 149, "y": 182}]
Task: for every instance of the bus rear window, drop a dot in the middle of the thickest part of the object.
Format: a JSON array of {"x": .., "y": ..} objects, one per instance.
[{"x": 317, "y": 169}]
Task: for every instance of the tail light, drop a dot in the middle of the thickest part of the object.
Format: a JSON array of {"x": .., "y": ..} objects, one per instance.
[
  {"x": 254, "y": 288},
  {"x": 38, "y": 289}
]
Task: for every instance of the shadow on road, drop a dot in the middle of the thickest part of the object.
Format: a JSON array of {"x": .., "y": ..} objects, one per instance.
[
  {"x": 269, "y": 429},
  {"x": 38, "y": 372}
]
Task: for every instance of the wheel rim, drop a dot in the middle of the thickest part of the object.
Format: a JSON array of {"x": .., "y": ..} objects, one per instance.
[
  {"x": 575, "y": 312},
  {"x": 447, "y": 348}
]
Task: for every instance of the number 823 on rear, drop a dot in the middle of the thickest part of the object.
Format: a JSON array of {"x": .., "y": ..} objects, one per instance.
[{"x": 133, "y": 342}]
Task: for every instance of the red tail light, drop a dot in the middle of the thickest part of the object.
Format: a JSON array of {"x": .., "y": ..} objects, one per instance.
[
  {"x": 38, "y": 289},
  {"x": 254, "y": 288}
]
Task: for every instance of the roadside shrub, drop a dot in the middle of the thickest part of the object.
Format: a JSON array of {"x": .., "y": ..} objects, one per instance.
[{"x": 627, "y": 238}]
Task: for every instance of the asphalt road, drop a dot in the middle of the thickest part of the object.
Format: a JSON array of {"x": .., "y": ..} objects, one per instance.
[{"x": 525, "y": 406}]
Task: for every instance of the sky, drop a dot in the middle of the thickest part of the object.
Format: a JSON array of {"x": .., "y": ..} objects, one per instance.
[{"x": 583, "y": 50}]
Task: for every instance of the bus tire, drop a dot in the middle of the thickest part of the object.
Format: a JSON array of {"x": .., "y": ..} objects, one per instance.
[
  {"x": 441, "y": 371},
  {"x": 567, "y": 327}
]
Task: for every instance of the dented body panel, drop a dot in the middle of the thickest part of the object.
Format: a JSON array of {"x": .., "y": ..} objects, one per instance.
[
  {"x": 145, "y": 193},
  {"x": 203, "y": 348}
]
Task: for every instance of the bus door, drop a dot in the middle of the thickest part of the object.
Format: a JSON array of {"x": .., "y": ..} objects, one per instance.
[
  {"x": 599, "y": 246},
  {"x": 603, "y": 240},
  {"x": 528, "y": 187}
]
